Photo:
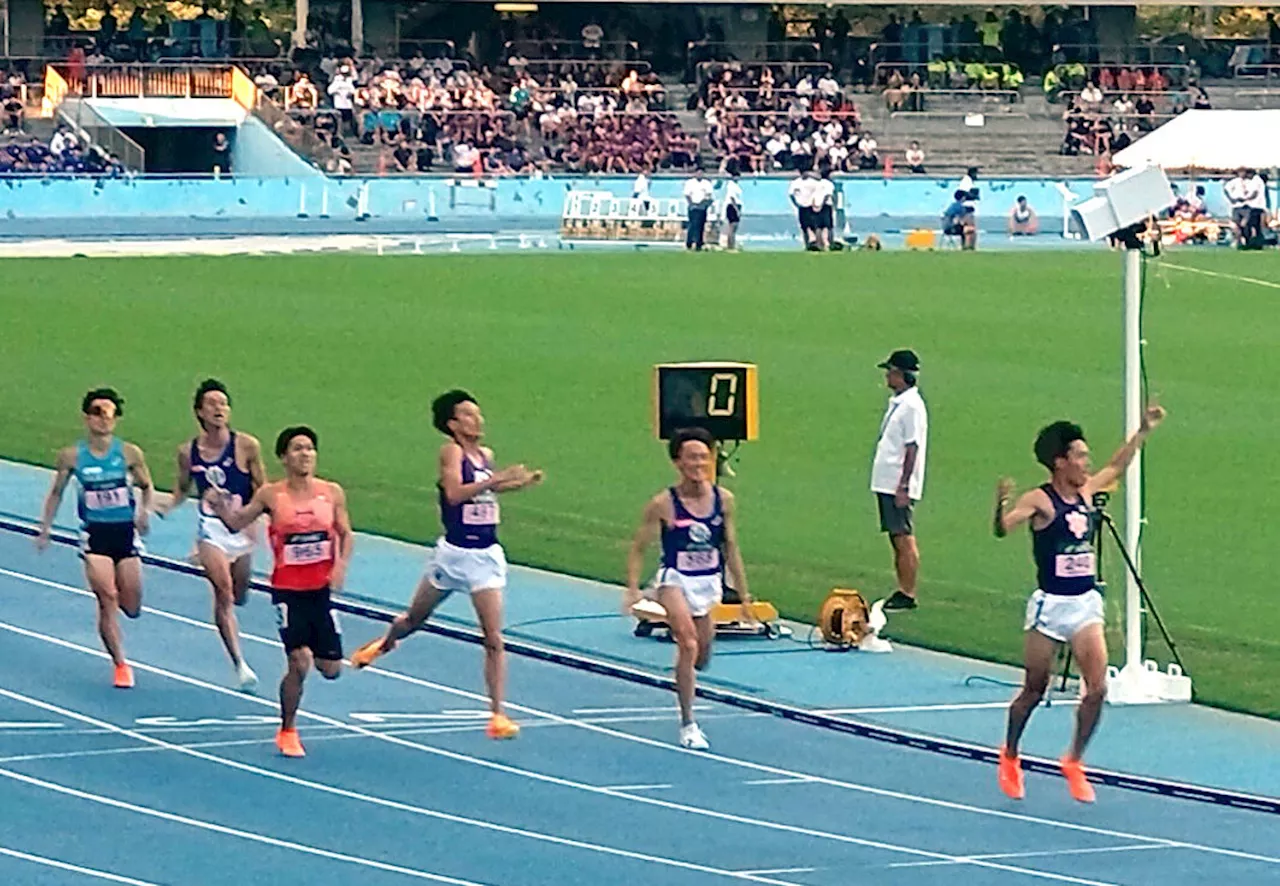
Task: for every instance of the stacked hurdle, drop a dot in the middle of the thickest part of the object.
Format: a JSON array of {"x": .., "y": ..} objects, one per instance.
[{"x": 595, "y": 216}]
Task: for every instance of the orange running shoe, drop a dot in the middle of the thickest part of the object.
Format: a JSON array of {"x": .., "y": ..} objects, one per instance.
[
  {"x": 365, "y": 655},
  {"x": 1077, "y": 782},
  {"x": 1009, "y": 775},
  {"x": 500, "y": 726},
  {"x": 289, "y": 744},
  {"x": 123, "y": 676}
]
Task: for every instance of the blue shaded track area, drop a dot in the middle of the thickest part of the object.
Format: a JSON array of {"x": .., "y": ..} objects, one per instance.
[{"x": 177, "y": 781}]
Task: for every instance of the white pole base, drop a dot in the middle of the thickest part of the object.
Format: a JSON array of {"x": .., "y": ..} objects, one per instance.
[{"x": 1147, "y": 684}]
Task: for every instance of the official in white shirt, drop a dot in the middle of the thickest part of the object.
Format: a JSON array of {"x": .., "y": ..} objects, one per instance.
[
  {"x": 897, "y": 474},
  {"x": 732, "y": 208},
  {"x": 801, "y": 191},
  {"x": 640, "y": 190},
  {"x": 697, "y": 191}
]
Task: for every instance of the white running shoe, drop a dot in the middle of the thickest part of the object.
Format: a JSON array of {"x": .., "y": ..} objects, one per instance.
[
  {"x": 693, "y": 738},
  {"x": 246, "y": 679}
]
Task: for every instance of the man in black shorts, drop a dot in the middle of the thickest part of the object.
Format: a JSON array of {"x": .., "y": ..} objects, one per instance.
[
  {"x": 897, "y": 474},
  {"x": 311, "y": 539}
]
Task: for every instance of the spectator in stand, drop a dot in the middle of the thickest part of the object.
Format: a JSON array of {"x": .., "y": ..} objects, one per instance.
[
  {"x": 221, "y": 153},
  {"x": 958, "y": 221},
  {"x": 915, "y": 158},
  {"x": 1091, "y": 98},
  {"x": 13, "y": 111},
  {"x": 302, "y": 95},
  {"x": 1145, "y": 109},
  {"x": 1023, "y": 221},
  {"x": 342, "y": 92},
  {"x": 868, "y": 156}
]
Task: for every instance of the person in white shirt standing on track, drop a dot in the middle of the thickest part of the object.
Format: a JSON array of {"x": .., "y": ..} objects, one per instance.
[
  {"x": 824, "y": 208},
  {"x": 732, "y": 208},
  {"x": 897, "y": 474},
  {"x": 697, "y": 191},
  {"x": 640, "y": 190},
  {"x": 801, "y": 193}
]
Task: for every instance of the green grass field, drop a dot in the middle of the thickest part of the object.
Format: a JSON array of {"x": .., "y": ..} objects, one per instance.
[{"x": 558, "y": 349}]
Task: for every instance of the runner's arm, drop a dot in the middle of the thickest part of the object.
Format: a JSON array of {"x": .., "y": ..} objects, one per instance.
[
  {"x": 455, "y": 491},
  {"x": 1111, "y": 471},
  {"x": 346, "y": 538},
  {"x": 1029, "y": 505},
  {"x": 253, "y": 455},
  {"x": 181, "y": 484},
  {"x": 647, "y": 534},
  {"x": 522, "y": 477},
  {"x": 237, "y": 519},
  {"x": 65, "y": 464},
  {"x": 732, "y": 553},
  {"x": 137, "y": 463}
]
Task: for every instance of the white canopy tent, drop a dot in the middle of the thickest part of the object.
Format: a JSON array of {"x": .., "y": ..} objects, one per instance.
[{"x": 1210, "y": 141}]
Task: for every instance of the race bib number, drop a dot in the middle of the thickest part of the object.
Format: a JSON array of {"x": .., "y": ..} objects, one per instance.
[
  {"x": 306, "y": 548},
  {"x": 102, "y": 499},
  {"x": 697, "y": 561},
  {"x": 1074, "y": 565},
  {"x": 480, "y": 513}
]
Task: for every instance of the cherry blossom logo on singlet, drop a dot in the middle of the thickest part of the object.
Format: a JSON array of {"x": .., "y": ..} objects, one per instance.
[
  {"x": 1078, "y": 523},
  {"x": 216, "y": 476}
]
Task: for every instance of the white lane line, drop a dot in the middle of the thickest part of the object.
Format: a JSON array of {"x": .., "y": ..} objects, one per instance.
[
  {"x": 765, "y": 781},
  {"x": 636, "y": 787},
  {"x": 232, "y": 743},
  {"x": 931, "y": 708},
  {"x": 649, "y": 709},
  {"x": 1254, "y": 280},
  {"x": 492, "y": 765},
  {"x": 1046, "y": 853},
  {"x": 730, "y": 761},
  {"x": 74, "y": 868},
  {"x": 19, "y": 724},
  {"x": 353, "y": 795},
  {"x": 231, "y": 832},
  {"x": 798, "y": 870}
]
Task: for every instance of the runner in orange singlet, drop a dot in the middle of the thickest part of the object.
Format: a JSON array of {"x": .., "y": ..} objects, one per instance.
[{"x": 311, "y": 540}]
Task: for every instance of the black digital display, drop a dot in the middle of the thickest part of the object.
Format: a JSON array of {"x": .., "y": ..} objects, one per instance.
[{"x": 718, "y": 397}]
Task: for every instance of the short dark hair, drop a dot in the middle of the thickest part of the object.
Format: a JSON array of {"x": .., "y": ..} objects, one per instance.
[
  {"x": 686, "y": 435},
  {"x": 208, "y": 386},
  {"x": 103, "y": 394},
  {"x": 1054, "y": 441},
  {"x": 286, "y": 437},
  {"x": 443, "y": 407}
]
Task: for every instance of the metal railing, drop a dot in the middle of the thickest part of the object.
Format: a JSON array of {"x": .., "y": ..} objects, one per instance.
[
  {"x": 641, "y": 66},
  {"x": 748, "y": 51},
  {"x": 171, "y": 48},
  {"x": 147, "y": 81},
  {"x": 606, "y": 50},
  {"x": 1083, "y": 53},
  {"x": 708, "y": 71},
  {"x": 430, "y": 49},
  {"x": 95, "y": 128}
]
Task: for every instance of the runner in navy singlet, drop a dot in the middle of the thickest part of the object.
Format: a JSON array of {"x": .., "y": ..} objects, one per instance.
[
  {"x": 694, "y": 519},
  {"x": 220, "y": 458},
  {"x": 1066, "y": 607},
  {"x": 468, "y": 558}
]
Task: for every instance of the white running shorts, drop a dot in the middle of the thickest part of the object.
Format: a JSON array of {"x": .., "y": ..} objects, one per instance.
[
  {"x": 467, "y": 569},
  {"x": 701, "y": 592},
  {"x": 1060, "y": 617}
]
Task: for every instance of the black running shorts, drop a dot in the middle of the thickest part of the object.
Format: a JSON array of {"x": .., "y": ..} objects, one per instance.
[{"x": 306, "y": 618}]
